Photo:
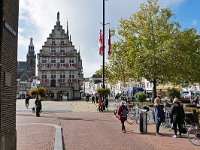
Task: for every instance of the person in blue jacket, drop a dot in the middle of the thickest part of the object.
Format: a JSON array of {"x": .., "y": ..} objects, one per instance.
[{"x": 159, "y": 115}]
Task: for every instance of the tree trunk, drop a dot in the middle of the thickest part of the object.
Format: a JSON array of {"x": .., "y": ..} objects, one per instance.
[{"x": 154, "y": 94}]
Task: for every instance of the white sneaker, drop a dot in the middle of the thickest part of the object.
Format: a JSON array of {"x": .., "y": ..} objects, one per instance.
[
  {"x": 158, "y": 134},
  {"x": 174, "y": 136}
]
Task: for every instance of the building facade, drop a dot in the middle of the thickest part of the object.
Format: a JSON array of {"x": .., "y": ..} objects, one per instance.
[
  {"x": 9, "y": 11},
  {"x": 60, "y": 65}
]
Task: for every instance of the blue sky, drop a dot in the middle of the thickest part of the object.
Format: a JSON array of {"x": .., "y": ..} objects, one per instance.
[
  {"x": 37, "y": 18},
  {"x": 187, "y": 13}
]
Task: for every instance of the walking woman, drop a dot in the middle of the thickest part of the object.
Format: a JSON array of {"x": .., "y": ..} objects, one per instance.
[
  {"x": 177, "y": 115},
  {"x": 122, "y": 112},
  {"x": 159, "y": 115}
]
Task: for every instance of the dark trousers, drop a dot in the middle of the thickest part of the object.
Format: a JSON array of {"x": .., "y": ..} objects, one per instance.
[
  {"x": 100, "y": 108},
  {"x": 158, "y": 127},
  {"x": 123, "y": 126},
  {"x": 27, "y": 104},
  {"x": 175, "y": 127}
]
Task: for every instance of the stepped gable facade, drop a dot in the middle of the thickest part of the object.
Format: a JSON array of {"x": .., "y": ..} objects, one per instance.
[{"x": 60, "y": 65}]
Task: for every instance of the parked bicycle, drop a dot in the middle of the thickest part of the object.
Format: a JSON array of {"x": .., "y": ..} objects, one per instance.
[
  {"x": 134, "y": 116},
  {"x": 194, "y": 134}
]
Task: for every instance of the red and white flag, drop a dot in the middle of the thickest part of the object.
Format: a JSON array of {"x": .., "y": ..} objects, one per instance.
[
  {"x": 109, "y": 43},
  {"x": 101, "y": 43}
]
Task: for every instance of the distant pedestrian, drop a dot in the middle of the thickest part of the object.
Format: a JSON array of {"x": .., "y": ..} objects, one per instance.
[
  {"x": 97, "y": 98},
  {"x": 93, "y": 99},
  {"x": 122, "y": 113},
  {"x": 106, "y": 103},
  {"x": 27, "y": 101},
  {"x": 100, "y": 104},
  {"x": 177, "y": 115},
  {"x": 159, "y": 115},
  {"x": 38, "y": 106}
]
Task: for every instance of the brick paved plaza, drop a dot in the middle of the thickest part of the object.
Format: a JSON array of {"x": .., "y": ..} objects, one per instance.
[{"x": 86, "y": 129}]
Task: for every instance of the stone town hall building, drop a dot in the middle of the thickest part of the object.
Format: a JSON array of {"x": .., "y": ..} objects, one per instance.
[{"x": 60, "y": 65}]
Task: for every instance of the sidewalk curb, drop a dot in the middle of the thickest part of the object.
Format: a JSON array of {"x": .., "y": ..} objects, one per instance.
[{"x": 58, "y": 145}]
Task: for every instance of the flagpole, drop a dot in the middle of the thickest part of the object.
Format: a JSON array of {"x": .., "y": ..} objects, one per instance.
[{"x": 103, "y": 44}]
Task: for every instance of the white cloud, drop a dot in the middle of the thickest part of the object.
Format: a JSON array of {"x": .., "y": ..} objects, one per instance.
[
  {"x": 170, "y": 2},
  {"x": 38, "y": 18},
  {"x": 194, "y": 22}
]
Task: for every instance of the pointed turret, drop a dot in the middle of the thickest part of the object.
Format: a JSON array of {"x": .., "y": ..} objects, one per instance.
[
  {"x": 31, "y": 51},
  {"x": 58, "y": 19}
]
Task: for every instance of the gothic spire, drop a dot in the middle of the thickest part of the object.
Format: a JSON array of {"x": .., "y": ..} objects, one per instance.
[
  {"x": 58, "y": 19},
  {"x": 31, "y": 41},
  {"x": 31, "y": 51}
]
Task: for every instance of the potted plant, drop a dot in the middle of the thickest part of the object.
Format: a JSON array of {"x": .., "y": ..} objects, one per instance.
[
  {"x": 40, "y": 91},
  {"x": 141, "y": 97},
  {"x": 103, "y": 92}
]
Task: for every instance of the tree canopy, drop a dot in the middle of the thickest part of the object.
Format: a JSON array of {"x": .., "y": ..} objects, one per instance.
[{"x": 153, "y": 46}]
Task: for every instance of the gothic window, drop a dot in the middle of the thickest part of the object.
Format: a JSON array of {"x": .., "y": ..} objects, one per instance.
[
  {"x": 53, "y": 77},
  {"x": 62, "y": 52},
  {"x": 62, "y": 78},
  {"x": 44, "y": 62},
  {"x": 62, "y": 62},
  {"x": 44, "y": 78},
  {"x": 53, "y": 43},
  {"x": 71, "y": 62},
  {"x": 62, "y": 43},
  {"x": 53, "y": 52},
  {"x": 71, "y": 77},
  {"x": 53, "y": 62}
]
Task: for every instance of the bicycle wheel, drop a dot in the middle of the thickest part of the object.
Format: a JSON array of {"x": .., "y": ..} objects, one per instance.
[
  {"x": 194, "y": 136},
  {"x": 131, "y": 118}
]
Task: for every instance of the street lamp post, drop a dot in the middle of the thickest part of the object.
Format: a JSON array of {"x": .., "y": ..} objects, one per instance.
[
  {"x": 103, "y": 43},
  {"x": 1, "y": 46}
]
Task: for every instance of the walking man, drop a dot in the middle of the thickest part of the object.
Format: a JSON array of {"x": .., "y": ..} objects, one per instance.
[{"x": 27, "y": 101}]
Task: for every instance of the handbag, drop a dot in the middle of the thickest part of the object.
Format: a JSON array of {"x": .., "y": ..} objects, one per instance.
[{"x": 183, "y": 129}]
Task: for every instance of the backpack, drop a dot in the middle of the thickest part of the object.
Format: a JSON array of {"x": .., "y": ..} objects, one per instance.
[{"x": 124, "y": 112}]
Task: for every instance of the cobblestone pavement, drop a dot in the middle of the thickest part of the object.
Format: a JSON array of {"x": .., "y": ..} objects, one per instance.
[{"x": 86, "y": 129}]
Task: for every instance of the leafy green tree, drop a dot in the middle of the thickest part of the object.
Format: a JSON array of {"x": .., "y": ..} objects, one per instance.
[
  {"x": 153, "y": 47},
  {"x": 103, "y": 92},
  {"x": 118, "y": 63},
  {"x": 173, "y": 93}
]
